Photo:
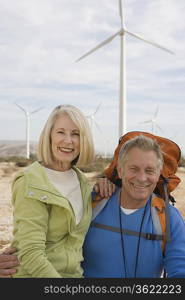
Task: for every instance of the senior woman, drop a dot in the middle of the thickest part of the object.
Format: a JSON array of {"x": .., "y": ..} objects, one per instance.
[{"x": 52, "y": 199}]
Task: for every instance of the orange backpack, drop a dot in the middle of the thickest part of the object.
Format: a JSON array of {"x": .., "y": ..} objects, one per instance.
[{"x": 167, "y": 182}]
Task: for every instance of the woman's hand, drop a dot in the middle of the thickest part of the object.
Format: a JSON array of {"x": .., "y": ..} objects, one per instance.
[
  {"x": 104, "y": 187},
  {"x": 8, "y": 262}
]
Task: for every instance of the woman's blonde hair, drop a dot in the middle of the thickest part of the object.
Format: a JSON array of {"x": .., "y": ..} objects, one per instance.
[{"x": 44, "y": 150}]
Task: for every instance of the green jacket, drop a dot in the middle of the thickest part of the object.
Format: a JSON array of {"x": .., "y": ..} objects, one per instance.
[{"x": 49, "y": 242}]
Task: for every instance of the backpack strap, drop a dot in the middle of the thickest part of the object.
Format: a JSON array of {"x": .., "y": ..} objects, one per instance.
[
  {"x": 167, "y": 199},
  {"x": 148, "y": 236},
  {"x": 161, "y": 206},
  {"x": 159, "y": 217}
]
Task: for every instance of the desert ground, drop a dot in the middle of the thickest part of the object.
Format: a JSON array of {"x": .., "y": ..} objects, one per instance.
[{"x": 9, "y": 170}]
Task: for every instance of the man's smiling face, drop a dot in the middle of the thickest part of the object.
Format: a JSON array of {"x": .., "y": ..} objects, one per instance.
[{"x": 139, "y": 175}]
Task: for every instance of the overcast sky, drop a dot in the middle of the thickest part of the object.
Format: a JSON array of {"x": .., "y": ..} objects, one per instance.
[{"x": 40, "y": 40}]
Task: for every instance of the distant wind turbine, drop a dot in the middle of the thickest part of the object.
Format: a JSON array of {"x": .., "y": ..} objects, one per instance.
[
  {"x": 153, "y": 121},
  {"x": 28, "y": 114},
  {"x": 92, "y": 118},
  {"x": 94, "y": 122},
  {"x": 122, "y": 89}
]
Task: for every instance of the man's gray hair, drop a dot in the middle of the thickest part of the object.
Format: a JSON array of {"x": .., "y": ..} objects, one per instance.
[{"x": 144, "y": 143}]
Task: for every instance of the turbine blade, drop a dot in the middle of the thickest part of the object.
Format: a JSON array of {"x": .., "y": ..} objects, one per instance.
[
  {"x": 100, "y": 45},
  {"x": 20, "y": 107},
  {"x": 97, "y": 108},
  {"x": 148, "y": 121},
  {"x": 149, "y": 42},
  {"x": 36, "y": 110},
  {"x": 121, "y": 11},
  {"x": 156, "y": 112},
  {"x": 98, "y": 127}
]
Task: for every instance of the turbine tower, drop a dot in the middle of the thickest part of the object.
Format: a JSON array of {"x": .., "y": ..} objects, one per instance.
[
  {"x": 122, "y": 89},
  {"x": 28, "y": 114}
]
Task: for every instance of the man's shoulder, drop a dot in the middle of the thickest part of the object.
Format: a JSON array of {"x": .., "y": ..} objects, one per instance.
[
  {"x": 100, "y": 204},
  {"x": 175, "y": 212}
]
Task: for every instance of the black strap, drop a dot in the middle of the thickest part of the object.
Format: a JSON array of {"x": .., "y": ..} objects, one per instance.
[{"x": 148, "y": 236}]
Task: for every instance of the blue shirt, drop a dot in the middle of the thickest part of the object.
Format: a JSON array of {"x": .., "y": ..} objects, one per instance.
[{"x": 106, "y": 254}]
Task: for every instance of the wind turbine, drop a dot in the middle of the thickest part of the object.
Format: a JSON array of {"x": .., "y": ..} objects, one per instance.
[
  {"x": 122, "y": 90},
  {"x": 28, "y": 114},
  {"x": 152, "y": 121},
  {"x": 92, "y": 118},
  {"x": 93, "y": 121}
]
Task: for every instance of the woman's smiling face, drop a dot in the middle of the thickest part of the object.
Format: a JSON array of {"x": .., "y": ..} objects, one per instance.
[{"x": 65, "y": 142}]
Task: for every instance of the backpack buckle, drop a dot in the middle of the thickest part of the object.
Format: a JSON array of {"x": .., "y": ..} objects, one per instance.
[{"x": 150, "y": 236}]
